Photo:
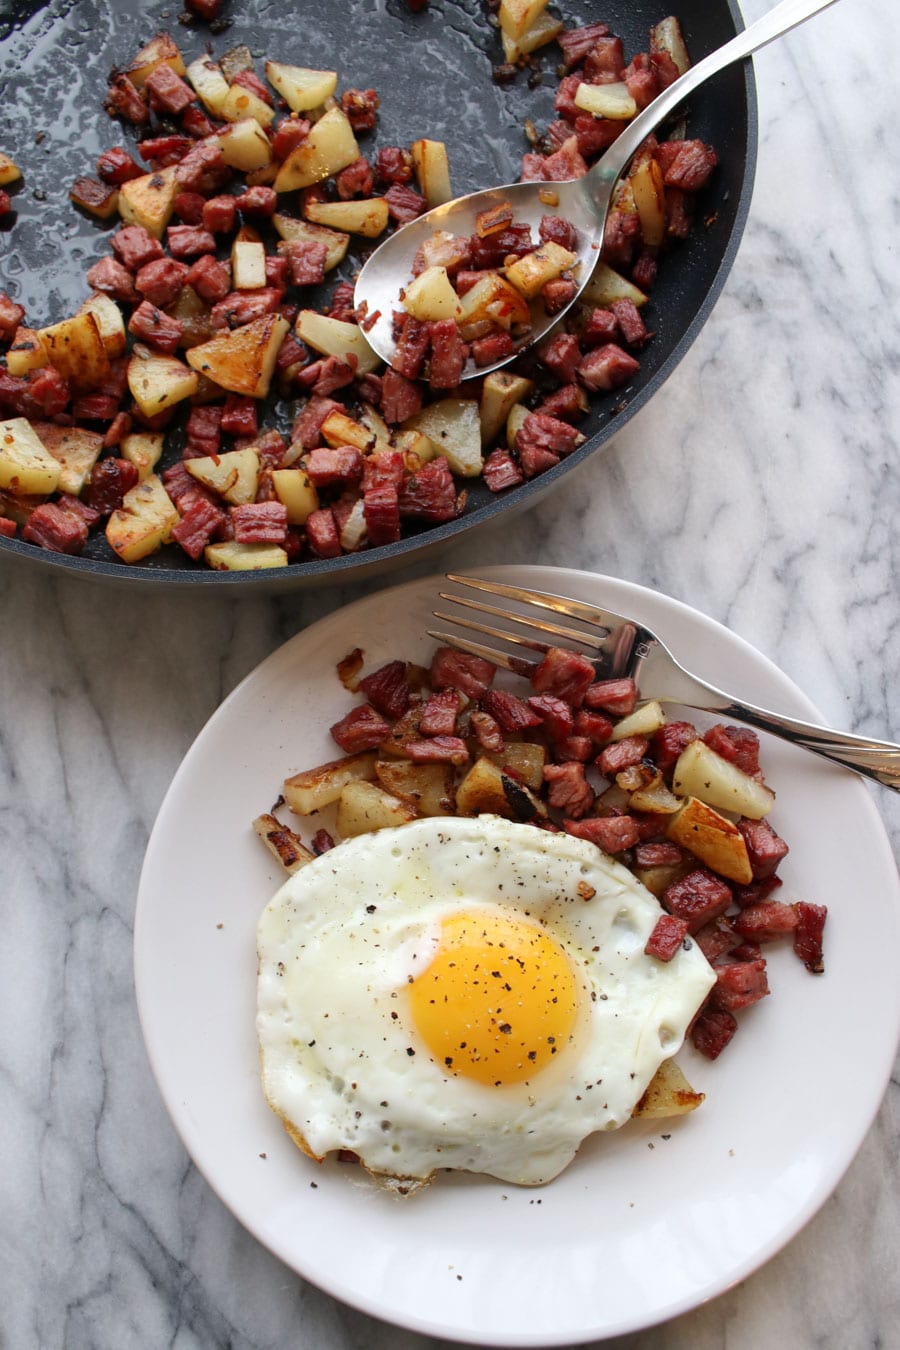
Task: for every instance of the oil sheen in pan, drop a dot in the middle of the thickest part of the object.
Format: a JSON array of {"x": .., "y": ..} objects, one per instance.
[{"x": 433, "y": 73}]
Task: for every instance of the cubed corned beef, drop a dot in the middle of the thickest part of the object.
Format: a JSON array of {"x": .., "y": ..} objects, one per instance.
[
  {"x": 739, "y": 745},
  {"x": 258, "y": 202},
  {"x": 189, "y": 208},
  {"x": 210, "y": 278},
  {"x": 387, "y": 689},
  {"x": 187, "y": 241},
  {"x": 558, "y": 294},
  {"x": 110, "y": 479},
  {"x": 134, "y": 246},
  {"x": 643, "y": 274},
  {"x": 669, "y": 741},
  {"x": 412, "y": 338},
  {"x": 328, "y": 466},
  {"x": 404, "y": 203},
  {"x": 155, "y": 327},
  {"x": 765, "y": 921},
  {"x": 632, "y": 326},
  {"x": 486, "y": 731},
  {"x": 535, "y": 459},
  {"x": 53, "y": 528},
  {"x": 219, "y": 214},
  {"x": 160, "y": 281},
  {"x": 322, "y": 533},
  {"x": 623, "y": 754},
  {"x": 400, "y": 397},
  {"x": 765, "y": 848},
  {"x": 168, "y": 91},
  {"x": 123, "y": 100},
  {"x": 438, "y": 750},
  {"x": 560, "y": 231},
  {"x": 306, "y": 260},
  {"x": 163, "y": 151},
  {"x": 11, "y": 315},
  {"x": 393, "y": 165},
  {"x": 712, "y": 1031},
  {"x": 641, "y": 78},
  {"x": 356, "y": 180},
  {"x": 289, "y": 133},
  {"x": 565, "y": 674},
  {"x": 809, "y": 933},
  {"x": 202, "y": 169},
  {"x": 562, "y": 354},
  {"x": 555, "y": 714},
  {"x": 259, "y": 522},
  {"x": 605, "y": 62},
  {"x": 739, "y": 984},
  {"x": 239, "y": 416},
  {"x": 195, "y": 123},
  {"x": 620, "y": 237},
  {"x": 668, "y": 935},
  {"x": 360, "y": 107},
  {"x": 95, "y": 408},
  {"x": 692, "y": 166},
  {"x": 471, "y": 675},
  {"x": 440, "y": 713},
  {"x": 114, "y": 279},
  {"x": 613, "y": 834},
  {"x": 569, "y": 403},
  {"x": 448, "y": 354},
  {"x": 666, "y": 70},
  {"x": 381, "y": 510},
  {"x": 607, "y": 367},
  {"x": 699, "y": 897},
  {"x": 500, "y": 470},
  {"x": 116, "y": 166},
  {"x": 576, "y": 43},
  {"x": 660, "y": 854},
  {"x": 430, "y": 493},
  {"x": 7, "y": 527},
  {"x": 248, "y": 79},
  {"x": 566, "y": 163},
  {"x": 342, "y": 298},
  {"x": 200, "y": 523},
  {"x": 203, "y": 429},
  {"x": 593, "y": 725},
  {"x": 362, "y": 729},
  {"x": 486, "y": 351},
  {"x": 335, "y": 374},
  {"x": 117, "y": 430},
  {"x": 573, "y": 747},
  {"x": 242, "y": 307},
  {"x": 307, "y": 427},
  {"x": 509, "y": 711},
  {"x": 383, "y": 467},
  {"x": 569, "y": 791}
]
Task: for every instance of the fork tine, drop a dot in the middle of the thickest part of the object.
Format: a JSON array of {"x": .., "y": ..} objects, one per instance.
[
  {"x": 474, "y": 627},
  {"x": 573, "y": 609},
  {"x": 538, "y": 625},
  {"x": 517, "y": 664}
]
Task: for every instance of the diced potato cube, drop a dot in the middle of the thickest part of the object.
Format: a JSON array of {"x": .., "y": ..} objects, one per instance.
[
  {"x": 500, "y": 392},
  {"x": 364, "y": 807},
  {"x": 517, "y": 415},
  {"x": 668, "y": 1094},
  {"x": 149, "y": 200},
  {"x": 426, "y": 787},
  {"x": 432, "y": 170},
  {"x": 368, "y": 217},
  {"x": 530, "y": 273},
  {"x": 649, "y": 194},
  {"x": 701, "y": 772},
  {"x": 300, "y": 88},
  {"x": 339, "y": 429},
  {"x": 109, "y": 321},
  {"x": 517, "y": 16},
  {"x": 160, "y": 50},
  {"x": 242, "y": 360},
  {"x": 248, "y": 265},
  {"x": 606, "y": 100},
  {"x": 525, "y": 759},
  {"x": 245, "y": 146},
  {"x": 335, "y": 337},
  {"x": 76, "y": 450},
  {"x": 374, "y": 423},
  {"x": 431, "y": 296},
  {"x": 486, "y": 789},
  {"x": 713, "y": 839},
  {"x": 335, "y": 241},
  {"x": 666, "y": 36},
  {"x": 9, "y": 170},
  {"x": 241, "y": 103},
  {"x": 76, "y": 349},
  {"x": 282, "y": 842},
  {"x": 294, "y": 490},
  {"x": 644, "y": 721},
  {"x": 144, "y": 521},
  {"x": 229, "y": 556},
  {"x": 28, "y": 352},
  {"x": 209, "y": 84},
  {"x": 329, "y": 147},
  {"x": 544, "y": 29},
  {"x": 143, "y": 449},
  {"x": 313, "y": 789},
  {"x": 607, "y": 285},
  {"x": 454, "y": 427},
  {"x": 234, "y": 474},
  {"x": 26, "y": 466},
  {"x": 415, "y": 447},
  {"x": 493, "y": 298},
  {"x": 158, "y": 382}
]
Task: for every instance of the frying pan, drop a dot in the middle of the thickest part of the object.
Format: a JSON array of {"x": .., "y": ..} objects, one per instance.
[{"x": 434, "y": 74}]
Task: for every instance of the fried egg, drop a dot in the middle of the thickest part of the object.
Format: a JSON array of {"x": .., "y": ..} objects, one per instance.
[{"x": 465, "y": 993}]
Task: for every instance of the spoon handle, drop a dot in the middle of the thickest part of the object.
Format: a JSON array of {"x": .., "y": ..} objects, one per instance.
[{"x": 783, "y": 17}]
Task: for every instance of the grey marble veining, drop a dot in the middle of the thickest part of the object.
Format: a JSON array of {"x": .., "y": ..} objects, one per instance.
[{"x": 762, "y": 486}]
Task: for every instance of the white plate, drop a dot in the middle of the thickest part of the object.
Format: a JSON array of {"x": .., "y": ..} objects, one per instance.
[{"x": 646, "y": 1223}]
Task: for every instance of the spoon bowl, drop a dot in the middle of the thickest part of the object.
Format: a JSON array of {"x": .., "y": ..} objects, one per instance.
[{"x": 584, "y": 202}]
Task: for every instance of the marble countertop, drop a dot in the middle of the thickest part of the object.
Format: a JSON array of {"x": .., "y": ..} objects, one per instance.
[{"x": 760, "y": 486}]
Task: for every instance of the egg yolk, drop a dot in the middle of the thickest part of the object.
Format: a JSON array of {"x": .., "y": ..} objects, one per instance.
[{"x": 498, "y": 1000}]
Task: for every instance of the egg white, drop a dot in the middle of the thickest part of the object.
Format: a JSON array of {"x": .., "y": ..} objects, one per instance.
[{"x": 343, "y": 1064}]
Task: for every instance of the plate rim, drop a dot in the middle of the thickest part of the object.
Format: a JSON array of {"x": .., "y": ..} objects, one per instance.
[{"x": 548, "y": 578}]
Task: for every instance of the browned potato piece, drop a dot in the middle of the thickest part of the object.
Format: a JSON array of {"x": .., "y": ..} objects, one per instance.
[
  {"x": 160, "y": 50},
  {"x": 405, "y": 729},
  {"x": 524, "y": 759},
  {"x": 242, "y": 360},
  {"x": 77, "y": 350},
  {"x": 314, "y": 788},
  {"x": 487, "y": 790},
  {"x": 427, "y": 787},
  {"x": 364, "y": 807},
  {"x": 701, "y": 772},
  {"x": 281, "y": 841},
  {"x": 668, "y": 1094},
  {"x": 714, "y": 840}
]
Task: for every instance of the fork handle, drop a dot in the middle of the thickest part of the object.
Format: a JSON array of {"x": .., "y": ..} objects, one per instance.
[{"x": 876, "y": 759}]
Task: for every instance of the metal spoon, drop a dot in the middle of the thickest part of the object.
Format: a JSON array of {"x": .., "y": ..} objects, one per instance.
[{"x": 584, "y": 201}]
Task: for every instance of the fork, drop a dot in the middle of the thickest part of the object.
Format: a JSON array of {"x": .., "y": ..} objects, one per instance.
[{"x": 619, "y": 647}]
